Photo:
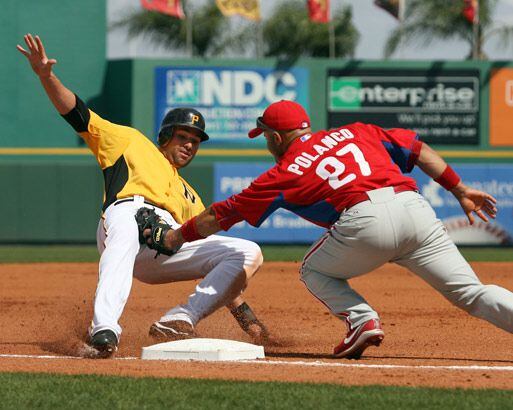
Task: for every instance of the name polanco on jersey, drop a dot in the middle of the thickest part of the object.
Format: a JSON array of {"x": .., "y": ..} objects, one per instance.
[{"x": 325, "y": 144}]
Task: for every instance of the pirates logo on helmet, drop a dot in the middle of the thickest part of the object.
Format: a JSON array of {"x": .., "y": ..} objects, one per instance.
[{"x": 182, "y": 117}]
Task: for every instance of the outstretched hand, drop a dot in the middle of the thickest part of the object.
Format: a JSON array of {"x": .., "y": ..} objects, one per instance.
[
  {"x": 475, "y": 201},
  {"x": 36, "y": 55}
]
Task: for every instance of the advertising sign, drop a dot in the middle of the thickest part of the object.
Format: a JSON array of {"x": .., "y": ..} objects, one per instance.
[
  {"x": 493, "y": 179},
  {"x": 281, "y": 227},
  {"x": 501, "y": 107},
  {"x": 230, "y": 98},
  {"x": 442, "y": 107}
]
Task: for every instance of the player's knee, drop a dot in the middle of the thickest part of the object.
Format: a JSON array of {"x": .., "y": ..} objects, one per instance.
[
  {"x": 312, "y": 280},
  {"x": 467, "y": 297},
  {"x": 305, "y": 269},
  {"x": 306, "y": 274},
  {"x": 253, "y": 259},
  {"x": 486, "y": 297}
]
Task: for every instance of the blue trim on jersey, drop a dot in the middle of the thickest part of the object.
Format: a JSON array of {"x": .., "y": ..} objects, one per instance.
[
  {"x": 400, "y": 156},
  {"x": 321, "y": 213}
]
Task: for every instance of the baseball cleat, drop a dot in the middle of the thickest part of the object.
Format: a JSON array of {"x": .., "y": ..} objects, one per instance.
[
  {"x": 172, "y": 330},
  {"x": 360, "y": 338},
  {"x": 105, "y": 342}
]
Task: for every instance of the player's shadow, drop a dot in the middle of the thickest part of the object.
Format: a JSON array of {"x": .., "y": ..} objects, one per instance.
[
  {"x": 59, "y": 347},
  {"x": 21, "y": 343},
  {"x": 294, "y": 355},
  {"x": 313, "y": 356},
  {"x": 448, "y": 359}
]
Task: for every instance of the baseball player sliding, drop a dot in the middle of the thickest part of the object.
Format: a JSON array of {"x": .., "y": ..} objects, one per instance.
[
  {"x": 140, "y": 175},
  {"x": 350, "y": 180}
]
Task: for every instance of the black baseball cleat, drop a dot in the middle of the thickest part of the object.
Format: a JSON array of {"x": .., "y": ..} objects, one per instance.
[{"x": 105, "y": 342}]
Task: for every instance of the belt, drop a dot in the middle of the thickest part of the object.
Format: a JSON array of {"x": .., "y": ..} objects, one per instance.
[
  {"x": 120, "y": 201},
  {"x": 364, "y": 197}
]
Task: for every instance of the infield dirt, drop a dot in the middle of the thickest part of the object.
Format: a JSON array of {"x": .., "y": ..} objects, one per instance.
[{"x": 46, "y": 308}]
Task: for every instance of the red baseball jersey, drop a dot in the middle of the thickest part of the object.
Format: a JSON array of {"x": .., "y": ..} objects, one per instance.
[{"x": 324, "y": 173}]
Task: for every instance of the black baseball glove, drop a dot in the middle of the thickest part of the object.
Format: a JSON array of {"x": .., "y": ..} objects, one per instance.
[{"x": 147, "y": 218}]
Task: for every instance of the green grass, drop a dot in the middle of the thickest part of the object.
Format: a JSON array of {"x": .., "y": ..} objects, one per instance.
[
  {"x": 43, "y": 391},
  {"x": 284, "y": 253},
  {"x": 488, "y": 254},
  {"x": 296, "y": 253},
  {"x": 48, "y": 253},
  {"x": 88, "y": 253}
]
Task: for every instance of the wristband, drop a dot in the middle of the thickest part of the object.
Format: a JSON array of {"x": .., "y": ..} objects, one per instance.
[
  {"x": 190, "y": 231},
  {"x": 449, "y": 179}
]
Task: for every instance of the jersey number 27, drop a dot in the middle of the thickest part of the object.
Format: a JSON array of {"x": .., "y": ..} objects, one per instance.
[{"x": 331, "y": 168}]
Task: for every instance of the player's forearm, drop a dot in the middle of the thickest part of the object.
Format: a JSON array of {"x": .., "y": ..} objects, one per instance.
[
  {"x": 434, "y": 165},
  {"x": 199, "y": 227},
  {"x": 206, "y": 223},
  {"x": 430, "y": 162},
  {"x": 61, "y": 97}
]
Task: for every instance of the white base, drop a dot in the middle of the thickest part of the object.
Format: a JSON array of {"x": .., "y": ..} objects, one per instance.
[{"x": 203, "y": 349}]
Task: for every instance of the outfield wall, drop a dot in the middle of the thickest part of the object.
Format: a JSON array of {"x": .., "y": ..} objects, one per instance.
[
  {"x": 73, "y": 33},
  {"x": 60, "y": 200}
]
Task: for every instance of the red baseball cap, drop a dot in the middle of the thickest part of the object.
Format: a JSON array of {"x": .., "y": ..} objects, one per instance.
[{"x": 281, "y": 116}]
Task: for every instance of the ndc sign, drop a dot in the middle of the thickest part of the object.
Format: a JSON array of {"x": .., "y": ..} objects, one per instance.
[
  {"x": 228, "y": 87},
  {"x": 230, "y": 98}
]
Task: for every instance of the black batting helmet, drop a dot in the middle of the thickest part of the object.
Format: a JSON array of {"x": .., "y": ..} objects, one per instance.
[{"x": 182, "y": 117}]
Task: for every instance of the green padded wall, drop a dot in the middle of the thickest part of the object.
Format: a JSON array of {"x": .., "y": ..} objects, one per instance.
[
  {"x": 50, "y": 202},
  {"x": 60, "y": 201},
  {"x": 74, "y": 33}
]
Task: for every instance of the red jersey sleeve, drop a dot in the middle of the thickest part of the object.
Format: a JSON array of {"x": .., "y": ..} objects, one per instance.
[
  {"x": 254, "y": 204},
  {"x": 226, "y": 214},
  {"x": 402, "y": 145}
]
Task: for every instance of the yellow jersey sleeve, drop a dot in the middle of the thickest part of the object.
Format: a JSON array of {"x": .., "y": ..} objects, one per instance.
[{"x": 106, "y": 140}]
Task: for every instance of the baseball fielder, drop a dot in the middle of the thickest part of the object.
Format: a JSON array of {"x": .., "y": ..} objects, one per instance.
[
  {"x": 140, "y": 175},
  {"x": 350, "y": 180}
]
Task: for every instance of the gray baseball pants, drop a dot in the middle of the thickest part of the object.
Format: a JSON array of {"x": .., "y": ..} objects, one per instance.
[{"x": 400, "y": 228}]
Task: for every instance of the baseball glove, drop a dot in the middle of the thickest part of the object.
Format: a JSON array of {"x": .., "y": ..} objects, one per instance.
[{"x": 147, "y": 218}]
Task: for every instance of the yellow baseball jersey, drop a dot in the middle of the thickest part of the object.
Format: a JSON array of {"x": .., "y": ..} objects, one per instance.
[{"x": 133, "y": 165}]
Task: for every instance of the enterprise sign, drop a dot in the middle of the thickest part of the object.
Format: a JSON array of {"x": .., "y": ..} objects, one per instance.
[{"x": 442, "y": 108}]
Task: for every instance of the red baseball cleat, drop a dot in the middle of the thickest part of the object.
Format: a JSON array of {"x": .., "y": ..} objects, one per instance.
[{"x": 360, "y": 338}]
